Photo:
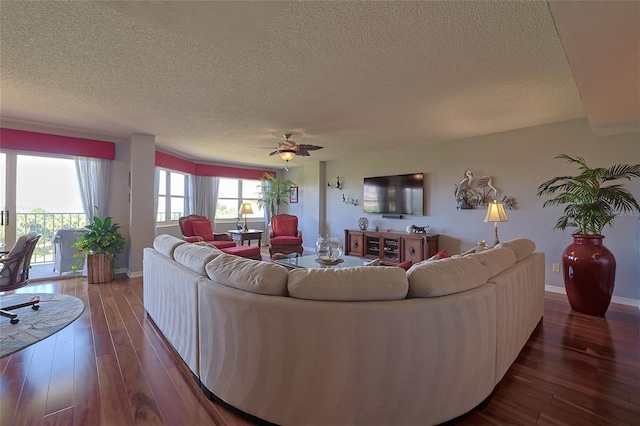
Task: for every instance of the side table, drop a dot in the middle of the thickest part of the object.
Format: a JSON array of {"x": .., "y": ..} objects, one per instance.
[{"x": 248, "y": 235}]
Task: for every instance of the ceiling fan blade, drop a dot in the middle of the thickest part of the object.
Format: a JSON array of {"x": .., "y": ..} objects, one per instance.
[
  {"x": 307, "y": 147},
  {"x": 275, "y": 152},
  {"x": 302, "y": 152}
]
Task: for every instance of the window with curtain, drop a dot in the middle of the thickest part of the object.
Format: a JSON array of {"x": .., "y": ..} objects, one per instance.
[
  {"x": 172, "y": 195},
  {"x": 232, "y": 193}
]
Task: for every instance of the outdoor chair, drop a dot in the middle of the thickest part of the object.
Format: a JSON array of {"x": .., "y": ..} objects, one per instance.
[{"x": 64, "y": 251}]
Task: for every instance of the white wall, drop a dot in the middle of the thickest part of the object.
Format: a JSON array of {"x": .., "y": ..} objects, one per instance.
[
  {"x": 310, "y": 207},
  {"x": 519, "y": 161},
  {"x": 141, "y": 200}
]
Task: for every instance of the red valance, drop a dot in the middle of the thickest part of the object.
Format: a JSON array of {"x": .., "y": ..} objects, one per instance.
[
  {"x": 22, "y": 140},
  {"x": 180, "y": 165}
]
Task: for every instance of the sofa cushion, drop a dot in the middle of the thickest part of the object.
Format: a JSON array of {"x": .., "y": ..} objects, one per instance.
[
  {"x": 285, "y": 241},
  {"x": 202, "y": 228},
  {"x": 522, "y": 247},
  {"x": 249, "y": 275},
  {"x": 221, "y": 244},
  {"x": 243, "y": 251},
  {"x": 496, "y": 259},
  {"x": 405, "y": 265},
  {"x": 446, "y": 276},
  {"x": 166, "y": 244},
  {"x": 348, "y": 284},
  {"x": 195, "y": 257}
]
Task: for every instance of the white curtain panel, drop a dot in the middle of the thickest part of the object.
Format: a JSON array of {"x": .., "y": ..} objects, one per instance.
[
  {"x": 215, "y": 183},
  {"x": 189, "y": 202},
  {"x": 156, "y": 193},
  {"x": 93, "y": 178},
  {"x": 205, "y": 194}
]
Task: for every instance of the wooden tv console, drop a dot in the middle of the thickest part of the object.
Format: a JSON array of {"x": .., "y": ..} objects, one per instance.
[{"x": 390, "y": 247}]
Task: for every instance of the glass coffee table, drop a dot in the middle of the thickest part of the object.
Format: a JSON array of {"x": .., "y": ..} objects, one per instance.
[{"x": 313, "y": 262}]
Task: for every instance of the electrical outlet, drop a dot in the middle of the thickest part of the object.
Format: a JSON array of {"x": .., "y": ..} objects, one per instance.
[{"x": 556, "y": 267}]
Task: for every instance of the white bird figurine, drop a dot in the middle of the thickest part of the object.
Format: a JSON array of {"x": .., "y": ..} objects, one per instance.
[
  {"x": 465, "y": 186},
  {"x": 485, "y": 182},
  {"x": 465, "y": 183}
]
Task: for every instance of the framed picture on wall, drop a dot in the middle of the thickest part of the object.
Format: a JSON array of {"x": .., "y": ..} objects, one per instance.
[{"x": 293, "y": 197}]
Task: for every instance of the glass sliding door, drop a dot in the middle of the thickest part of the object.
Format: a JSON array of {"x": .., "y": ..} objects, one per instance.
[
  {"x": 7, "y": 200},
  {"x": 41, "y": 194},
  {"x": 47, "y": 199}
]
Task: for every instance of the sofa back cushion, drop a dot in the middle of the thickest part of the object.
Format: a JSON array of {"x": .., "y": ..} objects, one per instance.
[
  {"x": 496, "y": 259},
  {"x": 166, "y": 244},
  {"x": 187, "y": 228},
  {"x": 348, "y": 284},
  {"x": 249, "y": 275},
  {"x": 284, "y": 225},
  {"x": 202, "y": 228},
  {"x": 446, "y": 276},
  {"x": 195, "y": 257},
  {"x": 522, "y": 247}
]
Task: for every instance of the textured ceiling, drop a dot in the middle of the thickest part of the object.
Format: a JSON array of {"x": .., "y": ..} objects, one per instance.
[{"x": 220, "y": 81}]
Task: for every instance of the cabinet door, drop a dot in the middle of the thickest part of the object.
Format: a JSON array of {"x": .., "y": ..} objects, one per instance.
[
  {"x": 413, "y": 249},
  {"x": 355, "y": 245},
  {"x": 432, "y": 246},
  {"x": 372, "y": 243},
  {"x": 391, "y": 250}
]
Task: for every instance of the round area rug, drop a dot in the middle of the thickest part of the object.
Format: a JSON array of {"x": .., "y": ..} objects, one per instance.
[{"x": 56, "y": 312}]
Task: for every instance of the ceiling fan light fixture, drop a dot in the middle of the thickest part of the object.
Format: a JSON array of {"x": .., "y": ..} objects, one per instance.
[{"x": 287, "y": 154}]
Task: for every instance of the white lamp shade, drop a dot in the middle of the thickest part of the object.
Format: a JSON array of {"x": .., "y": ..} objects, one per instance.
[
  {"x": 245, "y": 208},
  {"x": 496, "y": 213}
]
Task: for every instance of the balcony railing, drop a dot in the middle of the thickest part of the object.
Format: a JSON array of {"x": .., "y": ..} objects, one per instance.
[{"x": 47, "y": 224}]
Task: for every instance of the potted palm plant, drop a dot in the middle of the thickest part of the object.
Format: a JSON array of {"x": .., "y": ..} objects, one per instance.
[
  {"x": 100, "y": 244},
  {"x": 591, "y": 204},
  {"x": 274, "y": 192}
]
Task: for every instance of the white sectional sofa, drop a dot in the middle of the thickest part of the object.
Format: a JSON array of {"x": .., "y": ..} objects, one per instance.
[{"x": 352, "y": 346}]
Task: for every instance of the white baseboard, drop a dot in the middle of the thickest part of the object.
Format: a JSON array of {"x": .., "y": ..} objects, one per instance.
[
  {"x": 136, "y": 274},
  {"x": 615, "y": 299},
  {"x": 128, "y": 273}
]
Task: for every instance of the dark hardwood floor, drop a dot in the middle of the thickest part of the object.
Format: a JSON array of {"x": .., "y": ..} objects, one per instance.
[{"x": 112, "y": 367}]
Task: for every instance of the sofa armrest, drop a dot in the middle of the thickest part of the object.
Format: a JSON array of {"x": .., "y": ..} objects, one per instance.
[
  {"x": 221, "y": 236},
  {"x": 193, "y": 239}
]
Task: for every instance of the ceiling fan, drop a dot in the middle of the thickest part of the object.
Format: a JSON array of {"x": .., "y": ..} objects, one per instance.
[{"x": 288, "y": 149}]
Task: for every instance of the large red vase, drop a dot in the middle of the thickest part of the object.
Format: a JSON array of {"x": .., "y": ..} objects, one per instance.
[{"x": 589, "y": 270}]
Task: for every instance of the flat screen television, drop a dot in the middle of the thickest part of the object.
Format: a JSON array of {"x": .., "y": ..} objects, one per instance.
[{"x": 396, "y": 194}]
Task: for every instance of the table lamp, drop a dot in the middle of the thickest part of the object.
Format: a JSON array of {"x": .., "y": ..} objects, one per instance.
[
  {"x": 245, "y": 208},
  {"x": 495, "y": 214}
]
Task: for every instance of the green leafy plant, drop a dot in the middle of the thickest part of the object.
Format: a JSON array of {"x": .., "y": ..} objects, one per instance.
[
  {"x": 274, "y": 192},
  {"x": 102, "y": 236},
  {"x": 590, "y": 206}
]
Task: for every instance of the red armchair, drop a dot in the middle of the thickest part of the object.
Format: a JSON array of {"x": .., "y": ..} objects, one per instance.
[
  {"x": 284, "y": 236},
  {"x": 197, "y": 228}
]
